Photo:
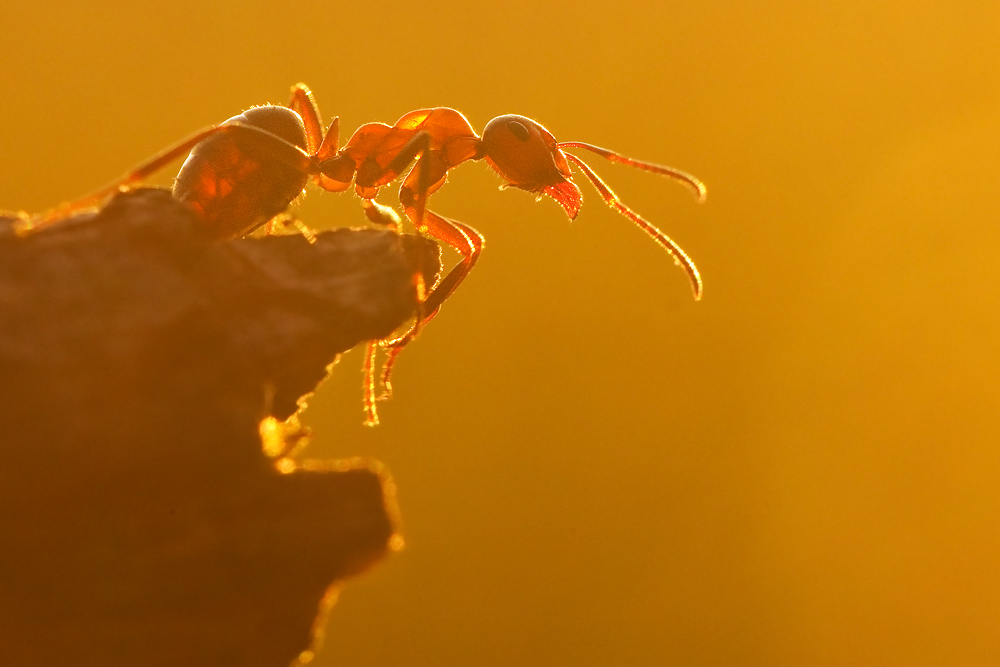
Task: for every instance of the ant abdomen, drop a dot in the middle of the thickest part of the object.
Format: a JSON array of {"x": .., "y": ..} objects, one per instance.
[{"x": 232, "y": 180}]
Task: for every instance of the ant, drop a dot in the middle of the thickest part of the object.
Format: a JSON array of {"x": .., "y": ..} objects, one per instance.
[{"x": 245, "y": 172}]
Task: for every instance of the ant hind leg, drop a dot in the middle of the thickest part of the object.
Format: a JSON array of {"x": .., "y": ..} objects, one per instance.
[
  {"x": 133, "y": 177},
  {"x": 281, "y": 151}
]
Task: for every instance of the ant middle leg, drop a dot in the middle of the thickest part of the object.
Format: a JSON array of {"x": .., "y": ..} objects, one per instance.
[
  {"x": 461, "y": 237},
  {"x": 425, "y": 177},
  {"x": 466, "y": 241}
]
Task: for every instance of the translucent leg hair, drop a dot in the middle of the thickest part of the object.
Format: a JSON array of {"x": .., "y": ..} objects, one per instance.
[{"x": 611, "y": 199}]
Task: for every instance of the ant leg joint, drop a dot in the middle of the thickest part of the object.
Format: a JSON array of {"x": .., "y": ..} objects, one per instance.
[{"x": 381, "y": 215}]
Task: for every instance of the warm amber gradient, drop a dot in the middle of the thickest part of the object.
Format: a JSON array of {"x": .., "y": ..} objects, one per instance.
[{"x": 593, "y": 469}]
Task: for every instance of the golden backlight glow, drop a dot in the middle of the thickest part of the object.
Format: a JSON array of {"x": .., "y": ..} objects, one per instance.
[
  {"x": 593, "y": 468},
  {"x": 272, "y": 437}
]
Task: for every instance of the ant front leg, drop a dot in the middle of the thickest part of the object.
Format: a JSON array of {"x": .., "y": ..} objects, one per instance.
[{"x": 461, "y": 237}]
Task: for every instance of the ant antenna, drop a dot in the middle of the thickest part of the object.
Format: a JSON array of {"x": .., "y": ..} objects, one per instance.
[
  {"x": 700, "y": 191},
  {"x": 611, "y": 199}
]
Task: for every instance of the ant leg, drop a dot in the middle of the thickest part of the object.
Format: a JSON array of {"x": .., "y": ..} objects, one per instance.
[
  {"x": 288, "y": 220},
  {"x": 304, "y": 105},
  {"x": 380, "y": 214},
  {"x": 331, "y": 141},
  {"x": 466, "y": 241},
  {"x": 133, "y": 177},
  {"x": 282, "y": 151},
  {"x": 611, "y": 199},
  {"x": 386, "y": 216},
  {"x": 368, "y": 384},
  {"x": 419, "y": 145},
  {"x": 271, "y": 226},
  {"x": 321, "y": 147},
  {"x": 425, "y": 177},
  {"x": 415, "y": 205},
  {"x": 304, "y": 230},
  {"x": 461, "y": 237}
]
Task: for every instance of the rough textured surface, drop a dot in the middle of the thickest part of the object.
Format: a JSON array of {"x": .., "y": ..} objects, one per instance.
[{"x": 140, "y": 521}]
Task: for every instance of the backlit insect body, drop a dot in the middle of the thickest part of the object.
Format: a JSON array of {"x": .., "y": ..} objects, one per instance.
[
  {"x": 245, "y": 172},
  {"x": 521, "y": 150}
]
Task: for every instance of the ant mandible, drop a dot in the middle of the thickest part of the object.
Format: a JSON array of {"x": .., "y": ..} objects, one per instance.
[{"x": 243, "y": 173}]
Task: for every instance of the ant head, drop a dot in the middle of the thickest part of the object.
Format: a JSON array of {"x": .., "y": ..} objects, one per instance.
[{"x": 525, "y": 154}]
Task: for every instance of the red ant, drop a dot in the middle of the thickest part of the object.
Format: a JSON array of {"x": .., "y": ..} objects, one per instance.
[{"x": 245, "y": 172}]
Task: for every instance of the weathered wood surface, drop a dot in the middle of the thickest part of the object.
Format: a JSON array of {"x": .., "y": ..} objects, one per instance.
[{"x": 140, "y": 522}]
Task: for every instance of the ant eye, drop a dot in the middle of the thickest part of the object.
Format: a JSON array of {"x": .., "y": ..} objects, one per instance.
[{"x": 518, "y": 130}]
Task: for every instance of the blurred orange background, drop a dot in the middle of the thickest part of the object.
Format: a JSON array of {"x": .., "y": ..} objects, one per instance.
[{"x": 593, "y": 469}]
